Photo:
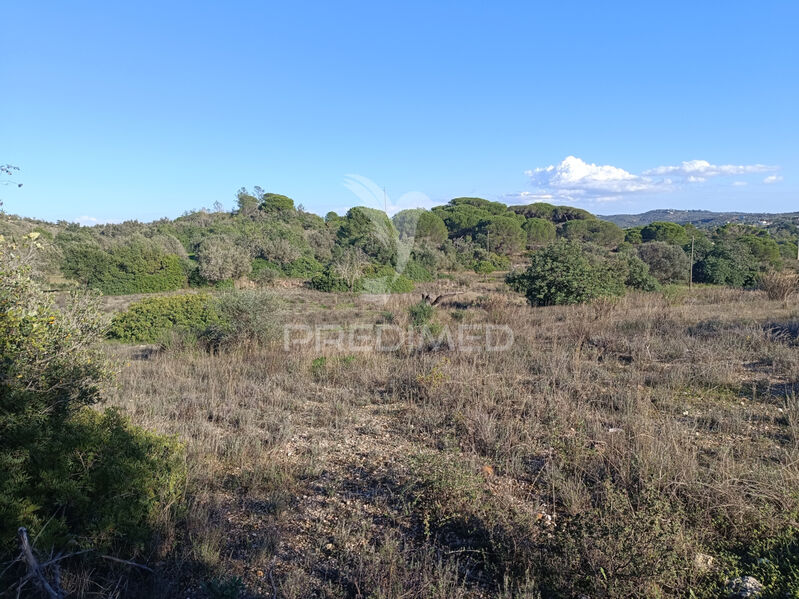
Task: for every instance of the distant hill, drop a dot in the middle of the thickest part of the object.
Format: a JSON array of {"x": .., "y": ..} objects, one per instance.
[{"x": 699, "y": 218}]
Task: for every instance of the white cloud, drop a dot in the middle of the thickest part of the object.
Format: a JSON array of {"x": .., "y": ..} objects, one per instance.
[
  {"x": 772, "y": 179},
  {"x": 739, "y": 183},
  {"x": 700, "y": 170},
  {"x": 575, "y": 180}
]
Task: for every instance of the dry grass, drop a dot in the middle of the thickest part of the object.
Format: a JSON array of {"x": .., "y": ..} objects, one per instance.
[{"x": 611, "y": 446}]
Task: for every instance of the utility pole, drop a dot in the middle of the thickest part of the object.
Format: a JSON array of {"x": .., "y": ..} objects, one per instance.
[
  {"x": 691, "y": 271},
  {"x": 385, "y": 201},
  {"x": 488, "y": 242}
]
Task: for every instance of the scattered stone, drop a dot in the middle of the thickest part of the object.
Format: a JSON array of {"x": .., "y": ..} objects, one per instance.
[
  {"x": 703, "y": 562},
  {"x": 744, "y": 587}
]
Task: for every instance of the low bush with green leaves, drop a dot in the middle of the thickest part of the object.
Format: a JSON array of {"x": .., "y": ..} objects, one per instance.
[
  {"x": 74, "y": 477},
  {"x": 565, "y": 273},
  {"x": 147, "y": 320},
  {"x": 125, "y": 268},
  {"x": 421, "y": 313}
]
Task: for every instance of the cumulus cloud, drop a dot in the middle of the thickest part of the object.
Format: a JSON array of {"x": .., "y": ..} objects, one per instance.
[
  {"x": 573, "y": 179},
  {"x": 739, "y": 183},
  {"x": 772, "y": 179}
]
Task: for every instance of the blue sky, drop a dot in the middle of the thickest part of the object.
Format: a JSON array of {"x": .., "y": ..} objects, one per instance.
[{"x": 142, "y": 110}]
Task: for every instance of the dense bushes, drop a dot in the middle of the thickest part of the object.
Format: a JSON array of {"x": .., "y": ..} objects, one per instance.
[
  {"x": 564, "y": 273},
  {"x": 229, "y": 318},
  {"x": 124, "y": 269},
  {"x": 329, "y": 281},
  {"x": 267, "y": 237},
  {"x": 146, "y": 321},
  {"x": 70, "y": 474}
]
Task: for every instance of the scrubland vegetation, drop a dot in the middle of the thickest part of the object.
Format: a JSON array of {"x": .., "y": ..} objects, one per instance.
[{"x": 638, "y": 439}]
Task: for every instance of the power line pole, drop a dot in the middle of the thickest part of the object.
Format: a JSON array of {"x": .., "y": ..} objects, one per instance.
[{"x": 691, "y": 271}]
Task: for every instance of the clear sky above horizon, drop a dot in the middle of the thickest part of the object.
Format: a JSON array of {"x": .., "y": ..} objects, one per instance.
[{"x": 141, "y": 110}]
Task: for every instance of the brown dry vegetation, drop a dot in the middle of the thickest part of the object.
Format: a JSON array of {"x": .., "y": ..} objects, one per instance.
[{"x": 625, "y": 448}]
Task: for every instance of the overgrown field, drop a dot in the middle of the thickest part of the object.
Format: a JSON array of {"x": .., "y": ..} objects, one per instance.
[{"x": 646, "y": 446}]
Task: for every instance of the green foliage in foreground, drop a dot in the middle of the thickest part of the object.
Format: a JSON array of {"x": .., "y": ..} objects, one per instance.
[
  {"x": 69, "y": 473},
  {"x": 146, "y": 321}
]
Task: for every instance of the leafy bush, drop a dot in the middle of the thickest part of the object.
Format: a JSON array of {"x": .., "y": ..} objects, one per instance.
[
  {"x": 420, "y": 313},
  {"x": 303, "y": 268},
  {"x": 371, "y": 231},
  {"x": 329, "y": 282},
  {"x": 636, "y": 273},
  {"x": 729, "y": 262},
  {"x": 668, "y": 263},
  {"x": 386, "y": 280},
  {"x": 484, "y": 267},
  {"x": 416, "y": 272},
  {"x": 124, "y": 269},
  {"x": 562, "y": 273},
  {"x": 70, "y": 474},
  {"x": 264, "y": 272},
  {"x": 147, "y": 320}
]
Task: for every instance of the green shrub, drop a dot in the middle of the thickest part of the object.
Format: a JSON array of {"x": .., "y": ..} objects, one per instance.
[
  {"x": 124, "y": 269},
  {"x": 484, "y": 267},
  {"x": 386, "y": 280},
  {"x": 416, "y": 272},
  {"x": 147, "y": 320},
  {"x": 667, "y": 262},
  {"x": 303, "y": 268},
  {"x": 264, "y": 272},
  {"x": 71, "y": 475},
  {"x": 563, "y": 273},
  {"x": 420, "y": 313},
  {"x": 327, "y": 281}
]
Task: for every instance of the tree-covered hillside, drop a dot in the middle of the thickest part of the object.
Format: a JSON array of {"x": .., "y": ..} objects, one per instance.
[{"x": 266, "y": 237}]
